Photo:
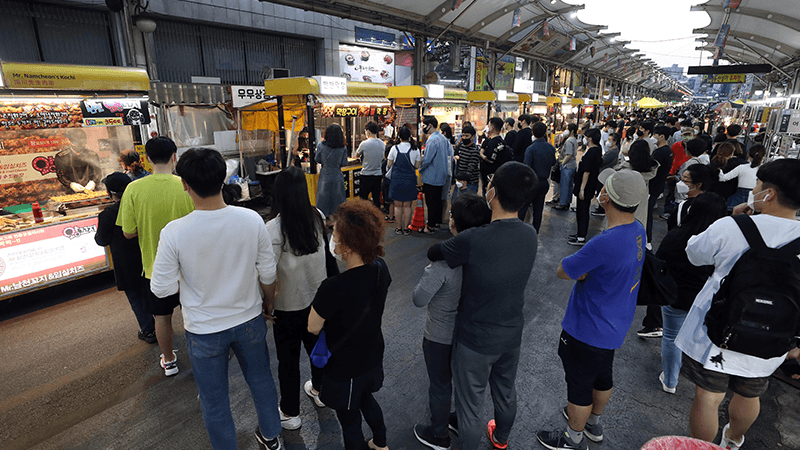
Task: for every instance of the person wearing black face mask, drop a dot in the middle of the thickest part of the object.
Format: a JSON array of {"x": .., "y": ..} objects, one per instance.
[
  {"x": 467, "y": 158},
  {"x": 433, "y": 171}
]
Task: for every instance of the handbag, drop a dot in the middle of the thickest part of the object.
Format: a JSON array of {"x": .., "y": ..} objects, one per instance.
[
  {"x": 320, "y": 354},
  {"x": 555, "y": 174},
  {"x": 331, "y": 266},
  {"x": 656, "y": 286}
]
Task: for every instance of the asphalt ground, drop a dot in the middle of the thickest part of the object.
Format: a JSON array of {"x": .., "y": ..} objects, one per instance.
[{"x": 74, "y": 375}]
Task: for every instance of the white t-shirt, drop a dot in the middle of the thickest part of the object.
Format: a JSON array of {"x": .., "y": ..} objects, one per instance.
[
  {"x": 746, "y": 176},
  {"x": 721, "y": 245},
  {"x": 704, "y": 159},
  {"x": 216, "y": 258},
  {"x": 404, "y": 147},
  {"x": 299, "y": 277}
]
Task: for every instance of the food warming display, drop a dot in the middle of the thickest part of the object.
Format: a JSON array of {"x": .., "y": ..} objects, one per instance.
[{"x": 59, "y": 137}]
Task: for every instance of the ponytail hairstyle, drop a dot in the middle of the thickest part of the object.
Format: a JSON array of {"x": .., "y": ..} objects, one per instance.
[
  {"x": 131, "y": 160},
  {"x": 757, "y": 153}
]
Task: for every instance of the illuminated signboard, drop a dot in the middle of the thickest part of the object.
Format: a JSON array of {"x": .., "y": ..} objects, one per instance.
[
  {"x": 38, "y": 256},
  {"x": 360, "y": 110}
]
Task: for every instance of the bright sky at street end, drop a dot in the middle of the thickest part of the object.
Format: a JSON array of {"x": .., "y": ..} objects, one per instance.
[{"x": 660, "y": 30}]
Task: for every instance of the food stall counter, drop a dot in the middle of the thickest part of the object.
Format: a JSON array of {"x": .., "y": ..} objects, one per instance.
[{"x": 62, "y": 129}]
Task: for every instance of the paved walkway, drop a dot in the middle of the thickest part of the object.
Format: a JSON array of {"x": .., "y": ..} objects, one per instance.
[{"x": 74, "y": 376}]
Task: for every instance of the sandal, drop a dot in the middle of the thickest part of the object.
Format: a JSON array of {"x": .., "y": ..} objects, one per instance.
[
  {"x": 398, "y": 231},
  {"x": 406, "y": 232},
  {"x": 428, "y": 230},
  {"x": 389, "y": 219}
]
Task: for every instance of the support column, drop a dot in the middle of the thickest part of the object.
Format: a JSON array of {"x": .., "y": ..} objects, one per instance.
[{"x": 420, "y": 46}]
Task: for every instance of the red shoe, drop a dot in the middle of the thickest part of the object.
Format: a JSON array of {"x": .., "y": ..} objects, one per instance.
[{"x": 490, "y": 432}]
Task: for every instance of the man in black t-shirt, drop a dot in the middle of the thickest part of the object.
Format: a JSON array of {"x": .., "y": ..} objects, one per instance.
[
  {"x": 497, "y": 260},
  {"x": 494, "y": 152},
  {"x": 523, "y": 139}
]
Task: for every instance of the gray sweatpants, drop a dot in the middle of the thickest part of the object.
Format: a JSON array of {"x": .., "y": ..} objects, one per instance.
[{"x": 471, "y": 372}]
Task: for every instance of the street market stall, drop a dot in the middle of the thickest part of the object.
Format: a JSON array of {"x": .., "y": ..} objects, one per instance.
[
  {"x": 479, "y": 110},
  {"x": 448, "y": 105},
  {"x": 314, "y": 104},
  {"x": 62, "y": 128}
]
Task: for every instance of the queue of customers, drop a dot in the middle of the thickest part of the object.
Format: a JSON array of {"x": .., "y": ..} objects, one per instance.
[{"x": 473, "y": 288}]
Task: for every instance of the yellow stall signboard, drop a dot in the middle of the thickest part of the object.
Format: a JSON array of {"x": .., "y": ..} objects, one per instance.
[{"x": 73, "y": 77}]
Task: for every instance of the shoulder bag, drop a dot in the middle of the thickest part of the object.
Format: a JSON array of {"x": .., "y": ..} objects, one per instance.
[{"x": 320, "y": 354}]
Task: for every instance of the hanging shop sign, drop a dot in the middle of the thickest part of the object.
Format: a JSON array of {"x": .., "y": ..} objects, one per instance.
[
  {"x": 72, "y": 77},
  {"x": 28, "y": 115},
  {"x": 724, "y": 78},
  {"x": 367, "y": 64},
  {"x": 247, "y": 95},
  {"x": 504, "y": 75},
  {"x": 112, "y": 112},
  {"x": 42, "y": 255}
]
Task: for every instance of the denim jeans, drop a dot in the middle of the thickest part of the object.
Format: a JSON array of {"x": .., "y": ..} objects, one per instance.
[
  {"x": 670, "y": 354},
  {"x": 147, "y": 323},
  {"x": 209, "y": 356},
  {"x": 566, "y": 185}
]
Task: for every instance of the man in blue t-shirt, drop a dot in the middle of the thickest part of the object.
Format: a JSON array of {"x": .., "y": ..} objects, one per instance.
[{"x": 600, "y": 310}]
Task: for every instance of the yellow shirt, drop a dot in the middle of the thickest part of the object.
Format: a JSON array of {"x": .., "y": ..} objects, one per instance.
[{"x": 147, "y": 206}]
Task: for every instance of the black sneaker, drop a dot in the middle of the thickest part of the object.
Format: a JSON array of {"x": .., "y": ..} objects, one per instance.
[
  {"x": 600, "y": 212},
  {"x": 665, "y": 216},
  {"x": 572, "y": 236},
  {"x": 426, "y": 437},
  {"x": 593, "y": 432},
  {"x": 648, "y": 332},
  {"x": 268, "y": 444},
  {"x": 559, "y": 440},
  {"x": 150, "y": 338},
  {"x": 452, "y": 423},
  {"x": 579, "y": 241}
]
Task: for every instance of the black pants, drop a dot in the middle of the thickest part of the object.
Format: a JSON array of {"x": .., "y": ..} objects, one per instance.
[
  {"x": 582, "y": 216},
  {"x": 538, "y": 206},
  {"x": 290, "y": 330},
  {"x": 350, "y": 399},
  {"x": 437, "y": 360},
  {"x": 371, "y": 184},
  {"x": 653, "y": 317},
  {"x": 651, "y": 203},
  {"x": 433, "y": 200}
]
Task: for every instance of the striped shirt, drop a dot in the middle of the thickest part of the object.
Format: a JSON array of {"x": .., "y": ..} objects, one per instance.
[{"x": 468, "y": 162}]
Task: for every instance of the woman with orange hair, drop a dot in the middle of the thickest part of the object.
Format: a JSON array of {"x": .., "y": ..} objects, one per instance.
[{"x": 350, "y": 307}]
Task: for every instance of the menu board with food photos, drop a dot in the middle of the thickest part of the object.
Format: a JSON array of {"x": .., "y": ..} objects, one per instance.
[
  {"x": 366, "y": 64},
  {"x": 30, "y": 116}
]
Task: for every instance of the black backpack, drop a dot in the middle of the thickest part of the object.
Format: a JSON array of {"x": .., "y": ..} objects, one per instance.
[{"x": 757, "y": 308}]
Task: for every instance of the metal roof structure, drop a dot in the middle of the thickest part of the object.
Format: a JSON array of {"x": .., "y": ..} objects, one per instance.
[
  {"x": 544, "y": 33},
  {"x": 761, "y": 32}
]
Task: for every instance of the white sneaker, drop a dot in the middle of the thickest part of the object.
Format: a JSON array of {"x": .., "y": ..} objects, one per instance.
[
  {"x": 170, "y": 368},
  {"x": 664, "y": 387},
  {"x": 729, "y": 444},
  {"x": 289, "y": 423},
  {"x": 309, "y": 388}
]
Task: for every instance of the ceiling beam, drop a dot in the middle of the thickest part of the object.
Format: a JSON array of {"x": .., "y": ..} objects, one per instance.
[
  {"x": 769, "y": 44},
  {"x": 768, "y": 16},
  {"x": 491, "y": 18}
]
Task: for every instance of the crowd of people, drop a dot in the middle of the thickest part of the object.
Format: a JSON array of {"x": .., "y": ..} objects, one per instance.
[{"x": 231, "y": 274}]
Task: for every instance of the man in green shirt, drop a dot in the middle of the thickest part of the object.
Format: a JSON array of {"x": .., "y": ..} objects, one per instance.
[{"x": 147, "y": 206}]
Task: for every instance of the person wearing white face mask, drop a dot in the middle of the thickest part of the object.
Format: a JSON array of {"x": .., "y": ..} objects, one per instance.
[
  {"x": 350, "y": 307},
  {"x": 695, "y": 180},
  {"x": 714, "y": 370}
]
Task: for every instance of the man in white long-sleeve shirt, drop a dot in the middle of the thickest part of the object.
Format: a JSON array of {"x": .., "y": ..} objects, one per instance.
[{"x": 220, "y": 258}]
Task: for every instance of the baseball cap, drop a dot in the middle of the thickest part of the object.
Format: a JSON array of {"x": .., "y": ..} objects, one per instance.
[
  {"x": 626, "y": 188},
  {"x": 116, "y": 182}
]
